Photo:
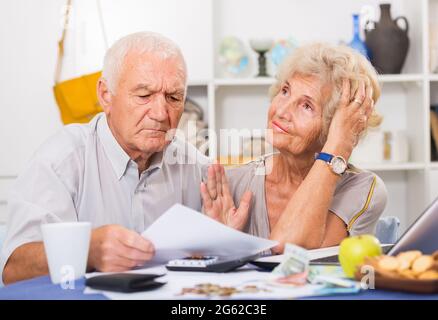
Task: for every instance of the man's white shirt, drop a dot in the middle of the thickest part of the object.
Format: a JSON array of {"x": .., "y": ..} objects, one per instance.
[{"x": 82, "y": 174}]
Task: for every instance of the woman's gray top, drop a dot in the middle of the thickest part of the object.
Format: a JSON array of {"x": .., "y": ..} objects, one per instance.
[{"x": 359, "y": 198}]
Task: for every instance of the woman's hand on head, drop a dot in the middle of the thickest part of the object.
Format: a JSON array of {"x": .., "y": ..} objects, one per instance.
[
  {"x": 218, "y": 202},
  {"x": 350, "y": 119}
]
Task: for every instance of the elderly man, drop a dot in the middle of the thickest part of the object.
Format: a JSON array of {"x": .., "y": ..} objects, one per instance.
[{"x": 120, "y": 171}]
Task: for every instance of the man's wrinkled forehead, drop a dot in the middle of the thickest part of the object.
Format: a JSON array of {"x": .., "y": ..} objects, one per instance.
[{"x": 154, "y": 70}]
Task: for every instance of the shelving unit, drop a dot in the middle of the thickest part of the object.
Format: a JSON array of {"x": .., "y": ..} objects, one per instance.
[{"x": 243, "y": 102}]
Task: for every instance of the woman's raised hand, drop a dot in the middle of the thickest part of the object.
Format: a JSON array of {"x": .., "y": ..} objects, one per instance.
[
  {"x": 350, "y": 119},
  {"x": 218, "y": 202}
]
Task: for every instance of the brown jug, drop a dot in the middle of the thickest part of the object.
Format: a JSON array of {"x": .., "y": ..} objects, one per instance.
[{"x": 387, "y": 42}]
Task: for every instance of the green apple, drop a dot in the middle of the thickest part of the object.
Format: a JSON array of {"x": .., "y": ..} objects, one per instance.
[{"x": 354, "y": 250}]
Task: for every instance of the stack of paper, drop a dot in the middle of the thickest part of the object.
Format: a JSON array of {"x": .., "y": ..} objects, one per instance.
[{"x": 181, "y": 232}]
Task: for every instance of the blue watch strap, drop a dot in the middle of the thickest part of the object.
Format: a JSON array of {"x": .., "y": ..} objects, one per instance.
[{"x": 326, "y": 157}]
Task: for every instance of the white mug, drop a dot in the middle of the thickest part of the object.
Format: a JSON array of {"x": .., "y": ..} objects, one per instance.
[{"x": 66, "y": 245}]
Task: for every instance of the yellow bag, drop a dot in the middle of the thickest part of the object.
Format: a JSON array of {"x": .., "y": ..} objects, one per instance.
[{"x": 76, "y": 98}]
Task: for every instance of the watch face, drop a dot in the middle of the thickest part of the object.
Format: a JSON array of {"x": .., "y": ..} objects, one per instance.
[{"x": 338, "y": 165}]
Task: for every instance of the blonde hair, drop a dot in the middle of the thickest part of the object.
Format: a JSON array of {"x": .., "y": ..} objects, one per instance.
[{"x": 331, "y": 64}]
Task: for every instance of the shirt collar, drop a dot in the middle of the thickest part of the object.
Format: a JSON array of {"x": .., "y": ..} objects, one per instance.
[
  {"x": 118, "y": 157},
  {"x": 157, "y": 160}
]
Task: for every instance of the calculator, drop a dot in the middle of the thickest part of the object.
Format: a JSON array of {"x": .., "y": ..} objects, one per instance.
[{"x": 208, "y": 263}]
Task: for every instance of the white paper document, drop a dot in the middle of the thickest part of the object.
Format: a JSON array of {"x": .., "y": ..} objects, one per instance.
[{"x": 182, "y": 232}]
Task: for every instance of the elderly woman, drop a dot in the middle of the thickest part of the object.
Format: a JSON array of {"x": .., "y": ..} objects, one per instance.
[{"x": 322, "y": 102}]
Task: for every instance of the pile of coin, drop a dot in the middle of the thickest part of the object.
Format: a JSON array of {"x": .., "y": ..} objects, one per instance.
[
  {"x": 210, "y": 289},
  {"x": 409, "y": 265}
]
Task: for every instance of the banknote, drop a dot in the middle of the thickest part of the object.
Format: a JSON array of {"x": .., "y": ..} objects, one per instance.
[{"x": 296, "y": 260}]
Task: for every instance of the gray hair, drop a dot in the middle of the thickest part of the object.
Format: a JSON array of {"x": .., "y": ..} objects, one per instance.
[
  {"x": 331, "y": 64},
  {"x": 141, "y": 42}
]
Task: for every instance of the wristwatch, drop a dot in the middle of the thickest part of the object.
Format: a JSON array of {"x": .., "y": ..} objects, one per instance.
[{"x": 336, "y": 163}]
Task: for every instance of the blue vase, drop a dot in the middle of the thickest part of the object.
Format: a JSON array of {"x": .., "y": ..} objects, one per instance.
[{"x": 356, "y": 43}]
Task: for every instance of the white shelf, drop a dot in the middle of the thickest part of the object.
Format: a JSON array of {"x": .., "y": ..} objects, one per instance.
[
  {"x": 261, "y": 81},
  {"x": 394, "y": 78},
  {"x": 433, "y": 77},
  {"x": 434, "y": 165},
  {"x": 198, "y": 82},
  {"x": 391, "y": 166},
  {"x": 264, "y": 81}
]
